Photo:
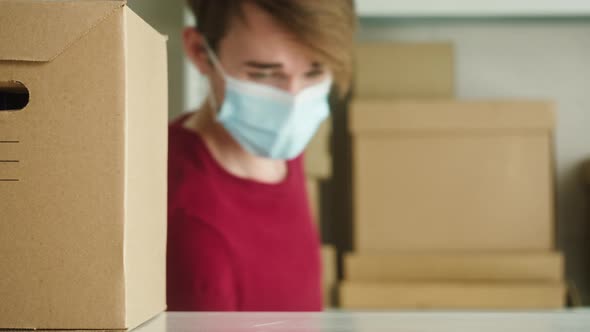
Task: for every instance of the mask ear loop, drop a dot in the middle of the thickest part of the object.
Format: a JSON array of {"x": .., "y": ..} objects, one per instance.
[{"x": 217, "y": 65}]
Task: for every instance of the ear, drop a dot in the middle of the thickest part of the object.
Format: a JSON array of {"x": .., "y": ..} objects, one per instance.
[{"x": 194, "y": 48}]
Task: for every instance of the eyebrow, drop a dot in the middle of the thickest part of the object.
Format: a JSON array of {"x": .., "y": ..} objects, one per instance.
[
  {"x": 263, "y": 65},
  {"x": 275, "y": 65}
]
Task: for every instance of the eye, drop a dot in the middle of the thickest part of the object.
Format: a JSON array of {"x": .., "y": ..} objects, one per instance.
[
  {"x": 258, "y": 75},
  {"x": 314, "y": 74}
]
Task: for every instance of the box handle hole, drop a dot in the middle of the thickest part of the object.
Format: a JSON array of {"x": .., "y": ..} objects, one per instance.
[{"x": 14, "y": 96}]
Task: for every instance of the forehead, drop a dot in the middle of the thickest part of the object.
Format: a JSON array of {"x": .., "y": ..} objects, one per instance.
[{"x": 258, "y": 36}]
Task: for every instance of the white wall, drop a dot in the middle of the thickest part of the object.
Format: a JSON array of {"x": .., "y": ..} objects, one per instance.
[
  {"x": 196, "y": 85},
  {"x": 168, "y": 18},
  {"x": 473, "y": 8},
  {"x": 531, "y": 59},
  {"x": 187, "y": 87}
]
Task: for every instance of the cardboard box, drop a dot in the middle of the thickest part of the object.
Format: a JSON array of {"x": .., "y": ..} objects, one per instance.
[
  {"x": 318, "y": 155},
  {"x": 83, "y": 222},
  {"x": 330, "y": 296},
  {"x": 330, "y": 278},
  {"x": 452, "y": 296},
  {"x": 313, "y": 193},
  {"x": 539, "y": 267},
  {"x": 448, "y": 176},
  {"x": 404, "y": 70}
]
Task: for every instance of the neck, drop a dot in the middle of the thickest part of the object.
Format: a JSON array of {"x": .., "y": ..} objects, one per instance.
[{"x": 230, "y": 154}]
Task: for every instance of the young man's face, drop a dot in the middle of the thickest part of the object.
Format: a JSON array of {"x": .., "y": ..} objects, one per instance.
[{"x": 258, "y": 49}]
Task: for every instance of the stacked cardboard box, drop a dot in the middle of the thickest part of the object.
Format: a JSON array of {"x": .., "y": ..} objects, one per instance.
[
  {"x": 83, "y": 200},
  {"x": 404, "y": 70},
  {"x": 415, "y": 70},
  {"x": 452, "y": 175},
  {"x": 318, "y": 156},
  {"x": 318, "y": 170},
  {"x": 318, "y": 166},
  {"x": 452, "y": 199},
  {"x": 453, "y": 281},
  {"x": 329, "y": 274},
  {"x": 587, "y": 179}
]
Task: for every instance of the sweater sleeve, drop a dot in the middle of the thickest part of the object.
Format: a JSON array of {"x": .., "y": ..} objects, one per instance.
[{"x": 200, "y": 271}]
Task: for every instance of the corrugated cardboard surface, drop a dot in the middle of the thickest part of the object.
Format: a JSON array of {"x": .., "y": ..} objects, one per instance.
[
  {"x": 157, "y": 323},
  {"x": 453, "y": 176},
  {"x": 318, "y": 157},
  {"x": 35, "y": 30},
  {"x": 542, "y": 266},
  {"x": 452, "y": 296},
  {"x": 404, "y": 70},
  {"x": 62, "y": 235},
  {"x": 146, "y": 171}
]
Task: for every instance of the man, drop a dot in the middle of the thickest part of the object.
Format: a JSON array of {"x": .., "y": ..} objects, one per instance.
[{"x": 241, "y": 236}]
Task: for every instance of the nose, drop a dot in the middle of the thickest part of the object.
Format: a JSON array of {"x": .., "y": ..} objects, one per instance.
[{"x": 292, "y": 85}]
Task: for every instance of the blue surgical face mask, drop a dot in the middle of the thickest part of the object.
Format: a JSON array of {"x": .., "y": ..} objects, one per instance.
[{"x": 269, "y": 122}]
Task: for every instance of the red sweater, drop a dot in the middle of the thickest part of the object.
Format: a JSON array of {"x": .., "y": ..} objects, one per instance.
[{"x": 237, "y": 244}]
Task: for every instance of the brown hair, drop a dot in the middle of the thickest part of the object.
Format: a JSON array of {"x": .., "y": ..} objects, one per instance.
[{"x": 326, "y": 27}]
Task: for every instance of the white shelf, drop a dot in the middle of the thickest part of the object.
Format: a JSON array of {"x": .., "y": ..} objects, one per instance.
[
  {"x": 473, "y": 8},
  {"x": 337, "y": 321}
]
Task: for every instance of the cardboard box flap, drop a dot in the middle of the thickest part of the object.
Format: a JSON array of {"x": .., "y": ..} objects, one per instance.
[
  {"x": 387, "y": 115},
  {"x": 38, "y": 30},
  {"x": 452, "y": 296},
  {"x": 494, "y": 266}
]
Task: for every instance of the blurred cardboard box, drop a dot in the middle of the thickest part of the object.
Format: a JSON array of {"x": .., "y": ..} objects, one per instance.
[
  {"x": 404, "y": 70},
  {"x": 510, "y": 267},
  {"x": 452, "y": 296},
  {"x": 318, "y": 155},
  {"x": 329, "y": 276},
  {"x": 83, "y": 230},
  {"x": 447, "y": 176}
]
